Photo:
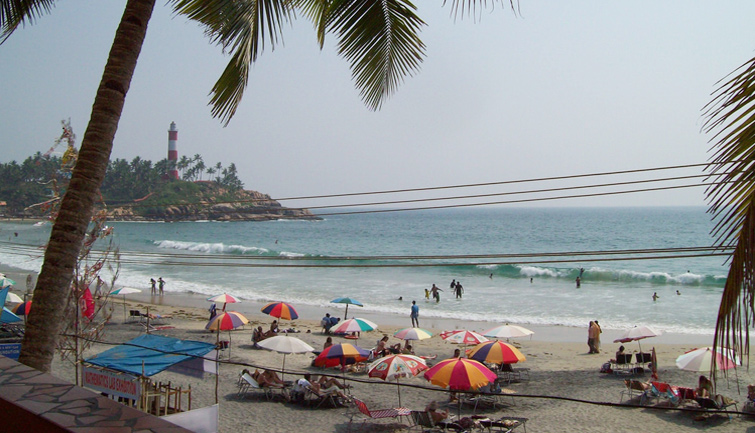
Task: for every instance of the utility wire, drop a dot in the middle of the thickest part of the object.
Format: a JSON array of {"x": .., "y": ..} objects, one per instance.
[{"x": 436, "y": 188}]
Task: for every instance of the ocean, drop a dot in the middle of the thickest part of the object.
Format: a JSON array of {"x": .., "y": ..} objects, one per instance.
[{"x": 505, "y": 259}]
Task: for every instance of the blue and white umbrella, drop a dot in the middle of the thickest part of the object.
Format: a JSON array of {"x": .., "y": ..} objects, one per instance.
[{"x": 348, "y": 301}]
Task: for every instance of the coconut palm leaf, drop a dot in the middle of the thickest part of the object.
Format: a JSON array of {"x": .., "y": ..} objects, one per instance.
[
  {"x": 16, "y": 12},
  {"x": 240, "y": 27},
  {"x": 380, "y": 39},
  {"x": 731, "y": 120}
]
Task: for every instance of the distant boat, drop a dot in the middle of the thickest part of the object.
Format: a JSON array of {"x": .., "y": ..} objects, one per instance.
[{"x": 40, "y": 223}]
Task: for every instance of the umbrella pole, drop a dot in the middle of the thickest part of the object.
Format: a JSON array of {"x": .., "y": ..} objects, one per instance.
[
  {"x": 124, "y": 308},
  {"x": 229, "y": 344},
  {"x": 398, "y": 388},
  {"x": 283, "y": 369},
  {"x": 217, "y": 369},
  {"x": 347, "y": 312}
]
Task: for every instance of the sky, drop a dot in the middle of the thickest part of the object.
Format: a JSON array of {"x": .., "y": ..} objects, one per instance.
[{"x": 557, "y": 89}]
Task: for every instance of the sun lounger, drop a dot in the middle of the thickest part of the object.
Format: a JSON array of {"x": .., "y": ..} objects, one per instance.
[
  {"x": 423, "y": 419},
  {"x": 634, "y": 388},
  {"x": 623, "y": 364},
  {"x": 247, "y": 383},
  {"x": 505, "y": 424},
  {"x": 375, "y": 414},
  {"x": 717, "y": 404}
]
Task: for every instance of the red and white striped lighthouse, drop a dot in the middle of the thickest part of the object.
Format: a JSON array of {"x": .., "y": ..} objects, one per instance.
[{"x": 173, "y": 151}]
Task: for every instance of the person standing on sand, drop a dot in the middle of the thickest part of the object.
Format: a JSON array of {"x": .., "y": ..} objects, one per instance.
[
  {"x": 591, "y": 337},
  {"x": 598, "y": 331},
  {"x": 161, "y": 284},
  {"x": 415, "y": 315},
  {"x": 154, "y": 285}
]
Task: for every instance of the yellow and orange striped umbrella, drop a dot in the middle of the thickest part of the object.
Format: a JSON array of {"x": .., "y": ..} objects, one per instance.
[
  {"x": 460, "y": 374},
  {"x": 497, "y": 352}
]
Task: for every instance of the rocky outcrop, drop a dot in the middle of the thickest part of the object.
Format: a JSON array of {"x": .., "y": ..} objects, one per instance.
[{"x": 210, "y": 203}]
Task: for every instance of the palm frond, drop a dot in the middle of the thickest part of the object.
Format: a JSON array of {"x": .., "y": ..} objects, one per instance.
[
  {"x": 380, "y": 39},
  {"x": 462, "y": 8},
  {"x": 17, "y": 12},
  {"x": 317, "y": 12},
  {"x": 241, "y": 27},
  {"x": 730, "y": 118}
]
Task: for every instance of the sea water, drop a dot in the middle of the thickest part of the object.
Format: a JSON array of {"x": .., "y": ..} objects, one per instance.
[{"x": 312, "y": 262}]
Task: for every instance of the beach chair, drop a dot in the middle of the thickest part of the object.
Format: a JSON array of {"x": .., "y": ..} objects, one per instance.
[
  {"x": 506, "y": 424},
  {"x": 717, "y": 404},
  {"x": 247, "y": 382},
  {"x": 634, "y": 388},
  {"x": 623, "y": 364},
  {"x": 422, "y": 419},
  {"x": 134, "y": 316},
  {"x": 362, "y": 408},
  {"x": 662, "y": 390}
]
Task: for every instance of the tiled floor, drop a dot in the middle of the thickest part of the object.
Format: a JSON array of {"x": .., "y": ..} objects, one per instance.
[{"x": 40, "y": 399}]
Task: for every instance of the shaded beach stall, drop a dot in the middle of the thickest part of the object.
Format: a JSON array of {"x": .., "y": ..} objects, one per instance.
[{"x": 124, "y": 372}]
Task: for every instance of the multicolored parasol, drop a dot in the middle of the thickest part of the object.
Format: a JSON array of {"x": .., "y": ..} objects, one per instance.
[
  {"x": 280, "y": 310},
  {"x": 496, "y": 352}
]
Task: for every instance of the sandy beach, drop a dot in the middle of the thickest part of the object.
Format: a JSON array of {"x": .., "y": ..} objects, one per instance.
[
  {"x": 556, "y": 356},
  {"x": 557, "y": 369}
]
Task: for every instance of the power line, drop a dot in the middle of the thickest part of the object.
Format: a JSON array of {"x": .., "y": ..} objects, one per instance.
[{"x": 436, "y": 188}]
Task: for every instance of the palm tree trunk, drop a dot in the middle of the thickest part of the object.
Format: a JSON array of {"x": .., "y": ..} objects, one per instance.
[{"x": 77, "y": 206}]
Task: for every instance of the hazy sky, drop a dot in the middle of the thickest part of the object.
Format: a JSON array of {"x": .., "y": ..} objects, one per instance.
[{"x": 563, "y": 88}]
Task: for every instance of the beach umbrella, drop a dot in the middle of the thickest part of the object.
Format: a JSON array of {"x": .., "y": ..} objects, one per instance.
[
  {"x": 226, "y": 321},
  {"x": 280, "y": 310},
  {"x": 460, "y": 374},
  {"x": 355, "y": 325},
  {"x": 348, "y": 301},
  {"x": 341, "y": 354},
  {"x": 395, "y": 367},
  {"x": 5, "y": 282},
  {"x": 8, "y": 317},
  {"x": 413, "y": 334},
  {"x": 285, "y": 345},
  {"x": 636, "y": 334},
  {"x": 496, "y": 352},
  {"x": 702, "y": 359},
  {"x": 22, "y": 309},
  {"x": 225, "y": 298},
  {"x": 125, "y": 291},
  {"x": 508, "y": 331},
  {"x": 462, "y": 336},
  {"x": 13, "y": 298}
]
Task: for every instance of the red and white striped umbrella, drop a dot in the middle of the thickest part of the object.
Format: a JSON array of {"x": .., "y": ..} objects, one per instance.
[
  {"x": 396, "y": 366},
  {"x": 462, "y": 336}
]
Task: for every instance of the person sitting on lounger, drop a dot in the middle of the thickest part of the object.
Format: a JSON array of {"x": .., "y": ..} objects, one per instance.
[
  {"x": 704, "y": 387},
  {"x": 273, "y": 329},
  {"x": 435, "y": 414},
  {"x": 321, "y": 387},
  {"x": 258, "y": 335},
  {"x": 269, "y": 379}
]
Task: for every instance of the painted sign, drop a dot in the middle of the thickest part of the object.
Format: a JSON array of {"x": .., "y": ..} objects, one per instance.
[
  {"x": 10, "y": 350},
  {"x": 110, "y": 382}
]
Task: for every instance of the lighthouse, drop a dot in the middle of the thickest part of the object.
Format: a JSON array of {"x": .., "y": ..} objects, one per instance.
[{"x": 173, "y": 151}]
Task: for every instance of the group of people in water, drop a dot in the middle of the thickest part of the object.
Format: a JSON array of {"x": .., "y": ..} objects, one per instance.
[{"x": 455, "y": 287}]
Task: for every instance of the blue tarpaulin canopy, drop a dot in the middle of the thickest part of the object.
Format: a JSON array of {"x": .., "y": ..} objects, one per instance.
[{"x": 129, "y": 356}]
